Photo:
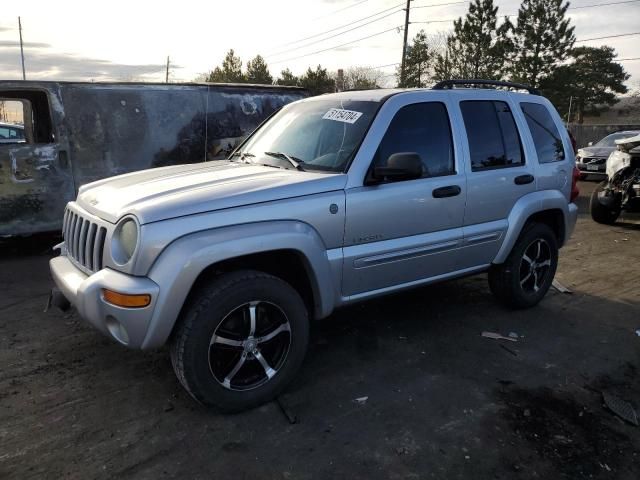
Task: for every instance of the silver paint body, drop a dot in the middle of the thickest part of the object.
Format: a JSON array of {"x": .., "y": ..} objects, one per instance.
[{"x": 383, "y": 238}]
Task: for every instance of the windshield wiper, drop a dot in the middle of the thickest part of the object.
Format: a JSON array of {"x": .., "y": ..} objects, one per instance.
[{"x": 295, "y": 162}]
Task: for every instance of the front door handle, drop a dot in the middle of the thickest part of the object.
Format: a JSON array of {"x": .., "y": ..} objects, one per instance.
[
  {"x": 523, "y": 179},
  {"x": 449, "y": 191}
]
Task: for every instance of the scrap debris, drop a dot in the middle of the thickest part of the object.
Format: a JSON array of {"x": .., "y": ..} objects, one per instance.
[
  {"x": 361, "y": 400},
  {"x": 560, "y": 287},
  {"x": 621, "y": 408},
  {"x": 291, "y": 417},
  {"x": 497, "y": 336}
]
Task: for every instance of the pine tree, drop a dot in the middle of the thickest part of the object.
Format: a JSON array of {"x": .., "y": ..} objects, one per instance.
[
  {"x": 287, "y": 78},
  {"x": 258, "y": 72},
  {"x": 317, "y": 81},
  {"x": 230, "y": 72},
  {"x": 593, "y": 79},
  {"x": 417, "y": 64},
  {"x": 541, "y": 38},
  {"x": 475, "y": 49}
]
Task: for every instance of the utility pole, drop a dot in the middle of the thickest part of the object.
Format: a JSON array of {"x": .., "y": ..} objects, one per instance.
[
  {"x": 569, "y": 114},
  {"x": 24, "y": 76},
  {"x": 166, "y": 77},
  {"x": 404, "y": 43}
]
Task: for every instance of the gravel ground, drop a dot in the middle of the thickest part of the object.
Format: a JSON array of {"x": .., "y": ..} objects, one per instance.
[{"x": 443, "y": 402}]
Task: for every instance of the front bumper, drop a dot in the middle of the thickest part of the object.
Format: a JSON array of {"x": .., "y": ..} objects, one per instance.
[
  {"x": 588, "y": 168},
  {"x": 128, "y": 326}
]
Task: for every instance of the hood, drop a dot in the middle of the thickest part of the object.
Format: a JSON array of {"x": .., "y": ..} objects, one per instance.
[
  {"x": 629, "y": 144},
  {"x": 599, "y": 152},
  {"x": 169, "y": 192}
]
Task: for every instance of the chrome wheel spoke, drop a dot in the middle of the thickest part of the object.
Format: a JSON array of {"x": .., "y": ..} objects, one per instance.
[
  {"x": 226, "y": 341},
  {"x": 535, "y": 281},
  {"x": 252, "y": 318},
  {"x": 546, "y": 263},
  {"x": 527, "y": 259},
  {"x": 235, "y": 370},
  {"x": 282, "y": 328},
  {"x": 522, "y": 282},
  {"x": 270, "y": 372},
  {"x": 538, "y": 249}
]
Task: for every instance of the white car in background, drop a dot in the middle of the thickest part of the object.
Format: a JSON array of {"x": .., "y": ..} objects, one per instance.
[{"x": 592, "y": 160}]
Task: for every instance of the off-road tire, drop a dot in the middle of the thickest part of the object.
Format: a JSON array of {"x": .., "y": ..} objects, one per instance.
[
  {"x": 504, "y": 279},
  {"x": 601, "y": 213},
  {"x": 208, "y": 307}
]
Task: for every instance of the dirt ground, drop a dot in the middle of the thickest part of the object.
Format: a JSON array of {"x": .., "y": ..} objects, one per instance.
[{"x": 443, "y": 401}]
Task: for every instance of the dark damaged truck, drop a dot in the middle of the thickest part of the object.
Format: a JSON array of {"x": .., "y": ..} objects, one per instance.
[{"x": 76, "y": 133}]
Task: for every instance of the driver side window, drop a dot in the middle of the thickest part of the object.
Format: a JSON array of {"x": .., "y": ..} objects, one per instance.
[{"x": 422, "y": 128}]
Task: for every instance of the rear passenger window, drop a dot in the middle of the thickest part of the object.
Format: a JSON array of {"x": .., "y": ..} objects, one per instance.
[
  {"x": 422, "y": 128},
  {"x": 546, "y": 136},
  {"x": 493, "y": 137}
]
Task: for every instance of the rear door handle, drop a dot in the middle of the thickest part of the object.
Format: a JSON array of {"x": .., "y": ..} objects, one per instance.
[
  {"x": 449, "y": 191},
  {"x": 523, "y": 179}
]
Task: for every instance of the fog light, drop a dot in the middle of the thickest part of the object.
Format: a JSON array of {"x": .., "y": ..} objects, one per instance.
[{"x": 126, "y": 300}]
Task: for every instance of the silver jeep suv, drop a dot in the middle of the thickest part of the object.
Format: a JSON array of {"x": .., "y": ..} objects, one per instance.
[{"x": 335, "y": 199}]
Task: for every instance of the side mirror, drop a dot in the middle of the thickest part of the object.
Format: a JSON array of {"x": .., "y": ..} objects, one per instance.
[
  {"x": 400, "y": 166},
  {"x": 590, "y": 144}
]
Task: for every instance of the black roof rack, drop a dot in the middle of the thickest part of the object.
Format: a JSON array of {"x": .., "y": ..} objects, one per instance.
[{"x": 448, "y": 84}]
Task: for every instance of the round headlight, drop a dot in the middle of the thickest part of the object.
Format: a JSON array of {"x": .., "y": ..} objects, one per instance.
[{"x": 125, "y": 240}]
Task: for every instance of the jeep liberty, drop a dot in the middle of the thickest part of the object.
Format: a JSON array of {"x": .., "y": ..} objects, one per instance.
[{"x": 333, "y": 200}]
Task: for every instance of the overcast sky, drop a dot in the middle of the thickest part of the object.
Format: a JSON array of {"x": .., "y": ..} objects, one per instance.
[{"x": 130, "y": 40}]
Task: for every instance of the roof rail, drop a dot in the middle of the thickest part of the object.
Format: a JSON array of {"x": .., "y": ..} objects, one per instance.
[{"x": 448, "y": 84}]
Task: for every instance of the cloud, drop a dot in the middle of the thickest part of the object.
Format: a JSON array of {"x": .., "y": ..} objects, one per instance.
[
  {"x": 61, "y": 66},
  {"x": 13, "y": 44}
]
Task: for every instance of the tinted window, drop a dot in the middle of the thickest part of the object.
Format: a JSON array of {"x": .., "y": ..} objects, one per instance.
[
  {"x": 422, "y": 128},
  {"x": 492, "y": 133},
  {"x": 544, "y": 132}
]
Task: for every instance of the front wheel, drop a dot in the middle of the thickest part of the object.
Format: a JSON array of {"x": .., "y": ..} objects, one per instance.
[
  {"x": 525, "y": 277},
  {"x": 241, "y": 341}
]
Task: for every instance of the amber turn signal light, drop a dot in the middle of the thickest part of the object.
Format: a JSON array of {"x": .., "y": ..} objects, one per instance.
[{"x": 126, "y": 300}]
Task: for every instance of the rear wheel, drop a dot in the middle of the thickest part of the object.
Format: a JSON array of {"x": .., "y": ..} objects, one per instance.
[
  {"x": 603, "y": 213},
  {"x": 525, "y": 277},
  {"x": 241, "y": 341}
]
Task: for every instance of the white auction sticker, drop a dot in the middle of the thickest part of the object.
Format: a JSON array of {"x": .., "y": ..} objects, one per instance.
[{"x": 340, "y": 115}]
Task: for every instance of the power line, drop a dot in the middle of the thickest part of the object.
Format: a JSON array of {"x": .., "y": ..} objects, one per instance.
[
  {"x": 603, "y": 4},
  {"x": 395, "y": 8},
  {"x": 438, "y": 5},
  {"x": 338, "y": 28},
  {"x": 332, "y": 36},
  {"x": 515, "y": 14},
  {"x": 338, "y": 46},
  {"x": 608, "y": 36},
  {"x": 341, "y": 9},
  {"x": 627, "y": 59}
]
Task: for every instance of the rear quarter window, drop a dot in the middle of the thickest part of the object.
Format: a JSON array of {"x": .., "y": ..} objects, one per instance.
[{"x": 546, "y": 136}]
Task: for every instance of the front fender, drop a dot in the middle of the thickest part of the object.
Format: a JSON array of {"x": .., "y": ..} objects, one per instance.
[
  {"x": 531, "y": 204},
  {"x": 180, "y": 264}
]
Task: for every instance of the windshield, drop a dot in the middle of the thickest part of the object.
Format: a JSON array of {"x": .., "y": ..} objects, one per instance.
[
  {"x": 316, "y": 135},
  {"x": 610, "y": 140}
]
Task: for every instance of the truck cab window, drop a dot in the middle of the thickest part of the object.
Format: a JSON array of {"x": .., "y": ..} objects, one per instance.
[{"x": 28, "y": 109}]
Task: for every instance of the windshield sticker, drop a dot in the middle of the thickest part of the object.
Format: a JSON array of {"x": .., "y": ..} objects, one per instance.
[{"x": 340, "y": 115}]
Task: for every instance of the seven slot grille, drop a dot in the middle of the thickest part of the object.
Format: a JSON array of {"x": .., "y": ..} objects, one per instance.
[{"x": 84, "y": 240}]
